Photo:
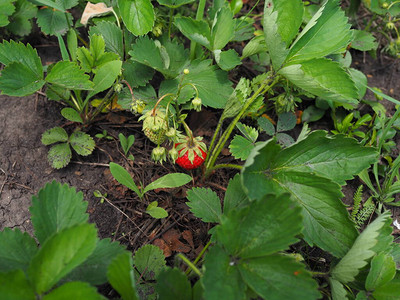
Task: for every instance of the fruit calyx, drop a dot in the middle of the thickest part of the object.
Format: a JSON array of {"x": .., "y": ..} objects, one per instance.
[{"x": 192, "y": 152}]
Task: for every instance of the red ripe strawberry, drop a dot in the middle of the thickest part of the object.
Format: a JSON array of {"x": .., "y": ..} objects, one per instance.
[{"x": 192, "y": 153}]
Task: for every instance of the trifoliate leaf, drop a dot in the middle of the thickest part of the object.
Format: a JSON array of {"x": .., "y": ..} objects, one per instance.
[
  {"x": 173, "y": 284},
  {"x": 237, "y": 99},
  {"x": 149, "y": 262},
  {"x": 204, "y": 204},
  {"x": 266, "y": 226},
  {"x": 53, "y": 22},
  {"x": 324, "y": 78},
  {"x": 120, "y": 275},
  {"x": 59, "y": 155},
  {"x": 16, "y": 250},
  {"x": 55, "y": 208},
  {"x": 68, "y": 75},
  {"x": 361, "y": 251},
  {"x": 60, "y": 254},
  {"x": 307, "y": 176},
  {"x": 138, "y": 15},
  {"x": 248, "y": 132},
  {"x": 82, "y": 143},
  {"x": 105, "y": 76},
  {"x": 278, "y": 277},
  {"x": 318, "y": 38},
  {"x": 112, "y": 36}
]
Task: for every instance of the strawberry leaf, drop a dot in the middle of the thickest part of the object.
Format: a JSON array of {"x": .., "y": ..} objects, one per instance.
[
  {"x": 204, "y": 204},
  {"x": 68, "y": 75},
  {"x": 82, "y": 143},
  {"x": 138, "y": 15},
  {"x": 59, "y": 155}
]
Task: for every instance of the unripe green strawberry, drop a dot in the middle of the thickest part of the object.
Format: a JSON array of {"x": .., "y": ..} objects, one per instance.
[{"x": 155, "y": 126}]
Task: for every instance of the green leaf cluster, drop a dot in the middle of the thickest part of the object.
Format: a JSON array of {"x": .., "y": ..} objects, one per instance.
[
  {"x": 60, "y": 154},
  {"x": 70, "y": 257}
]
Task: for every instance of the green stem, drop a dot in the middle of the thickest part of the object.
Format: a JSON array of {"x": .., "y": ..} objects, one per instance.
[
  {"x": 220, "y": 166},
  {"x": 227, "y": 133},
  {"x": 199, "y": 256},
  {"x": 199, "y": 16},
  {"x": 214, "y": 138},
  {"x": 106, "y": 100},
  {"x": 189, "y": 264}
]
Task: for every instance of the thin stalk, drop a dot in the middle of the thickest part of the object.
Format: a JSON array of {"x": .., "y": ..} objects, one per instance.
[
  {"x": 189, "y": 264},
  {"x": 106, "y": 100},
  {"x": 227, "y": 133},
  {"x": 210, "y": 148},
  {"x": 220, "y": 166},
  {"x": 199, "y": 256},
  {"x": 199, "y": 16}
]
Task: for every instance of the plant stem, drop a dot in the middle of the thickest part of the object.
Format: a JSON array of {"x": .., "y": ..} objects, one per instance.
[
  {"x": 199, "y": 256},
  {"x": 228, "y": 131},
  {"x": 189, "y": 264},
  {"x": 220, "y": 166},
  {"x": 199, "y": 16}
]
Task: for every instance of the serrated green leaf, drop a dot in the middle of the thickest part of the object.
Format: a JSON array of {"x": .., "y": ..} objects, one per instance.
[
  {"x": 149, "y": 262},
  {"x": 363, "y": 41},
  {"x": 60, "y": 254},
  {"x": 24, "y": 54},
  {"x": 70, "y": 114},
  {"x": 284, "y": 139},
  {"x": 266, "y": 226},
  {"x": 171, "y": 180},
  {"x": 361, "y": 251},
  {"x": 266, "y": 125},
  {"x": 389, "y": 291},
  {"x": 120, "y": 275},
  {"x": 53, "y": 22},
  {"x": 204, "y": 204},
  {"x": 157, "y": 212},
  {"x": 16, "y": 250},
  {"x": 326, "y": 221},
  {"x": 278, "y": 277},
  {"x": 213, "y": 85},
  {"x": 174, "y": 3},
  {"x": 169, "y": 58},
  {"x": 85, "y": 59},
  {"x": 68, "y": 75},
  {"x": 57, "y": 5},
  {"x": 21, "y": 20},
  {"x": 6, "y": 9},
  {"x": 254, "y": 46},
  {"x": 172, "y": 284},
  {"x": 222, "y": 29},
  {"x": 286, "y": 121},
  {"x": 227, "y": 60},
  {"x": 105, "y": 76},
  {"x": 55, "y": 208},
  {"x": 54, "y": 135},
  {"x": 235, "y": 196},
  {"x": 324, "y": 78},
  {"x": 112, "y": 36},
  {"x": 241, "y": 147},
  {"x": 338, "y": 291},
  {"x": 337, "y": 158},
  {"x": 123, "y": 177},
  {"x": 195, "y": 30},
  {"x": 277, "y": 48},
  {"x": 82, "y": 143},
  {"x": 59, "y": 155},
  {"x": 136, "y": 74},
  {"x": 14, "y": 285},
  {"x": 221, "y": 278},
  {"x": 360, "y": 81},
  {"x": 74, "y": 290},
  {"x": 248, "y": 132},
  {"x": 289, "y": 17},
  {"x": 383, "y": 270},
  {"x": 318, "y": 38},
  {"x": 18, "y": 80},
  {"x": 138, "y": 15},
  {"x": 94, "y": 269}
]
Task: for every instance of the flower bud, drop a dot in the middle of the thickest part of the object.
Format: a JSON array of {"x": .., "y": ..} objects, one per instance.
[
  {"x": 196, "y": 102},
  {"x": 159, "y": 154},
  {"x": 173, "y": 154},
  {"x": 186, "y": 71}
]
